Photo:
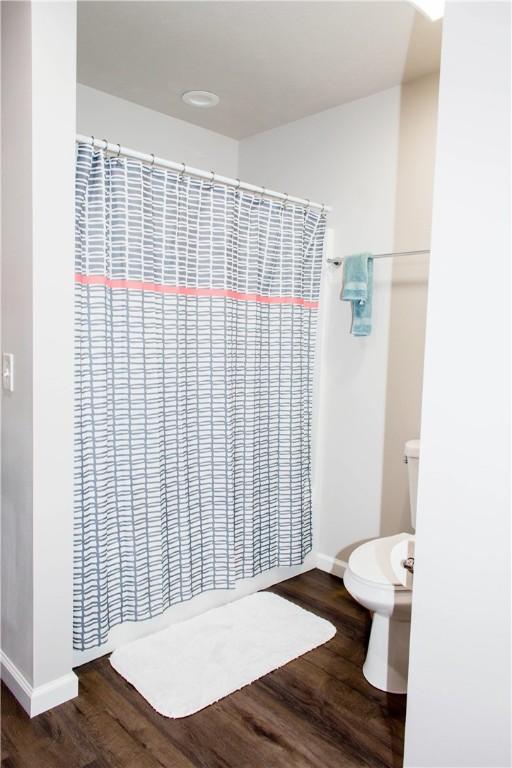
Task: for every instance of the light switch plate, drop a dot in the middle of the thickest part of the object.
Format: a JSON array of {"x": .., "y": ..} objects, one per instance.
[{"x": 8, "y": 371}]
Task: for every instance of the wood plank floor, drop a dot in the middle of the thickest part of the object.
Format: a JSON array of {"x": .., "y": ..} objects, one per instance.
[{"x": 316, "y": 712}]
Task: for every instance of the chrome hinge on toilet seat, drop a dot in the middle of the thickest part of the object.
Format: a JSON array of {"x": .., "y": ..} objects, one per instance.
[{"x": 408, "y": 564}]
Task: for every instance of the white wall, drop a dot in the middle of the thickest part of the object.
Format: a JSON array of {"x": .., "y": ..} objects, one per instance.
[
  {"x": 406, "y": 340},
  {"x": 104, "y": 116},
  {"x": 351, "y": 158},
  {"x": 53, "y": 183},
  {"x": 17, "y": 487},
  {"x": 459, "y": 681},
  {"x": 38, "y": 113}
]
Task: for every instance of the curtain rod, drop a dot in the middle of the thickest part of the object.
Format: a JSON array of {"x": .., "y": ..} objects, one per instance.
[
  {"x": 117, "y": 149},
  {"x": 338, "y": 260}
]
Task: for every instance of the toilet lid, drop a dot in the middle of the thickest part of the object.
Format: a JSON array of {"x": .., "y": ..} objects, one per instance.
[{"x": 372, "y": 561}]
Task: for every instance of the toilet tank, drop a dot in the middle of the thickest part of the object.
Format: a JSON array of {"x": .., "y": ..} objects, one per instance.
[{"x": 412, "y": 459}]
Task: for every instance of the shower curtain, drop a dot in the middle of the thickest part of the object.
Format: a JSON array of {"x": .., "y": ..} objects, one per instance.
[{"x": 195, "y": 319}]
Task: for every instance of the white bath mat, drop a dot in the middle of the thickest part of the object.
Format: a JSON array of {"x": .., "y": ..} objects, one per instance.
[{"x": 190, "y": 665}]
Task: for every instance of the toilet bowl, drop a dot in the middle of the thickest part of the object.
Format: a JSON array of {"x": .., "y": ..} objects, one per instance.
[
  {"x": 371, "y": 581},
  {"x": 376, "y": 578}
]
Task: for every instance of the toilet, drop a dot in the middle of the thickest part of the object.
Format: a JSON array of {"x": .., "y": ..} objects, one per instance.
[{"x": 377, "y": 578}]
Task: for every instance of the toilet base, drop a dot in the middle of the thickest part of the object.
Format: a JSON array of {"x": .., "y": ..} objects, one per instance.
[{"x": 387, "y": 659}]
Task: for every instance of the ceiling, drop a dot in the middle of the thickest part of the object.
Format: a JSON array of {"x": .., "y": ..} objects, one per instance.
[{"x": 270, "y": 62}]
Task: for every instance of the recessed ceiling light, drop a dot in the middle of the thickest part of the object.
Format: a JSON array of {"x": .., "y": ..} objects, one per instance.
[
  {"x": 434, "y": 9},
  {"x": 200, "y": 99}
]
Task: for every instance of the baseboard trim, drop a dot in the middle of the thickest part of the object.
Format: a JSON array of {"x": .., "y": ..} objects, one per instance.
[
  {"x": 37, "y": 700},
  {"x": 331, "y": 564}
]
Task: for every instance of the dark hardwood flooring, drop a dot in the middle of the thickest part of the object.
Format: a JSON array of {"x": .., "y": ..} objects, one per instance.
[{"x": 316, "y": 712}]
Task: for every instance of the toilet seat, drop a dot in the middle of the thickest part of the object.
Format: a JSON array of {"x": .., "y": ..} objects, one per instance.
[{"x": 371, "y": 561}]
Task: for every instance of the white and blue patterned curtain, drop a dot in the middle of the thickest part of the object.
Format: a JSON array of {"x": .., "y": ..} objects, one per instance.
[{"x": 195, "y": 317}]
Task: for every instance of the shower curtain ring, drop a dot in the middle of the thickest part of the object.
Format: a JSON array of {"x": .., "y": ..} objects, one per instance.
[
  {"x": 238, "y": 182},
  {"x": 262, "y": 193},
  {"x": 106, "y": 145},
  {"x": 92, "y": 141},
  {"x": 152, "y": 159},
  {"x": 118, "y": 150},
  {"x": 212, "y": 179},
  {"x": 182, "y": 172},
  {"x": 285, "y": 201}
]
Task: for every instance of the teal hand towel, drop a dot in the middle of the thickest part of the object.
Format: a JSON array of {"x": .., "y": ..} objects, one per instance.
[{"x": 358, "y": 289}]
